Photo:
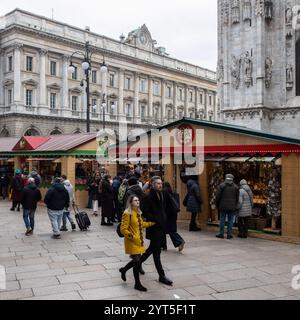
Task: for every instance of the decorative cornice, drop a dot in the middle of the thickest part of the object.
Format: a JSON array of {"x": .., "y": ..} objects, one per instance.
[
  {"x": 17, "y": 46},
  {"x": 43, "y": 52},
  {"x": 30, "y": 82}
]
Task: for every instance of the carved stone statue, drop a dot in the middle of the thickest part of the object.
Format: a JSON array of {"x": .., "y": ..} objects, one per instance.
[
  {"x": 268, "y": 72},
  {"x": 248, "y": 69},
  {"x": 220, "y": 71},
  {"x": 235, "y": 71},
  {"x": 288, "y": 16},
  {"x": 247, "y": 10},
  {"x": 225, "y": 12},
  {"x": 289, "y": 77},
  {"x": 235, "y": 11},
  {"x": 260, "y": 8}
]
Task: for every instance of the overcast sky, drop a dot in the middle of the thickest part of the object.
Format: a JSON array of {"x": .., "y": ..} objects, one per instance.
[{"x": 188, "y": 28}]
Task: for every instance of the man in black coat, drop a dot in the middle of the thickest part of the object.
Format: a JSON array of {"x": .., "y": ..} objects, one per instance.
[
  {"x": 154, "y": 210},
  {"x": 57, "y": 199},
  {"x": 227, "y": 201},
  {"x": 31, "y": 195}
]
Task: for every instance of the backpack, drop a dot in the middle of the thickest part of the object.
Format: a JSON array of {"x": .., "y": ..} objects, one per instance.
[
  {"x": 120, "y": 234},
  {"x": 121, "y": 193}
]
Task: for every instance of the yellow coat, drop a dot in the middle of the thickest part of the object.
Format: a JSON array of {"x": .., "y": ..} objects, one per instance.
[{"x": 133, "y": 232}]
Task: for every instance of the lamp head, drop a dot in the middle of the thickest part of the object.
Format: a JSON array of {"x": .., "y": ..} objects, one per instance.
[
  {"x": 71, "y": 68},
  {"x": 103, "y": 68},
  {"x": 85, "y": 65}
]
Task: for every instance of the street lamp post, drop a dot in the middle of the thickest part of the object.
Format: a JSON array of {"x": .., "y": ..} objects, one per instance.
[{"x": 86, "y": 66}]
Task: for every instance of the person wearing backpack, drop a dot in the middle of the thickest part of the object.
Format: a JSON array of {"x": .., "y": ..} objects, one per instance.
[
  {"x": 17, "y": 188},
  {"x": 121, "y": 193},
  {"x": 245, "y": 206},
  {"x": 37, "y": 178},
  {"x": 227, "y": 202},
  {"x": 133, "y": 189},
  {"x": 172, "y": 205}
]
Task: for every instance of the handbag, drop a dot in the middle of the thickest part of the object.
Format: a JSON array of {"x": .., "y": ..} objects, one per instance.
[{"x": 185, "y": 201}]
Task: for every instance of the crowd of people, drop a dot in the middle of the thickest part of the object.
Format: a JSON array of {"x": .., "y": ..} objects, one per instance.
[{"x": 137, "y": 200}]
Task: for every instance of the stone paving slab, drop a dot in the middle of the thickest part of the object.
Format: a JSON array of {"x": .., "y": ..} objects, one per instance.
[{"x": 85, "y": 265}]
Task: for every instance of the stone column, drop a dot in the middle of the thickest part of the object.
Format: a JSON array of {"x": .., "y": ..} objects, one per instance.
[
  {"x": 42, "y": 105},
  {"x": 17, "y": 74},
  {"x": 104, "y": 92},
  {"x": 150, "y": 100},
  {"x": 260, "y": 57},
  {"x": 136, "y": 114},
  {"x": 121, "y": 113},
  {"x": 2, "y": 70},
  {"x": 163, "y": 100},
  {"x": 186, "y": 101},
  {"x": 196, "y": 101},
  {"x": 65, "y": 85},
  {"x": 175, "y": 101}
]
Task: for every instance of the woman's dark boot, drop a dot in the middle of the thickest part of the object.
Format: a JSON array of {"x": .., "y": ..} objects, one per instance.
[
  {"x": 125, "y": 269},
  {"x": 136, "y": 272}
]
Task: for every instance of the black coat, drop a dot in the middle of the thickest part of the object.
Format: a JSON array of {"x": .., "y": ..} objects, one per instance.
[
  {"x": 227, "y": 197},
  {"x": 107, "y": 199},
  {"x": 17, "y": 188},
  {"x": 94, "y": 189},
  {"x": 57, "y": 197},
  {"x": 172, "y": 206},
  {"x": 194, "y": 200},
  {"x": 153, "y": 210},
  {"x": 31, "y": 195}
]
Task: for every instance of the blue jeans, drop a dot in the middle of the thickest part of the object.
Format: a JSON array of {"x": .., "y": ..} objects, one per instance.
[
  {"x": 67, "y": 215},
  {"x": 176, "y": 239},
  {"x": 230, "y": 215},
  {"x": 28, "y": 217},
  {"x": 55, "y": 219}
]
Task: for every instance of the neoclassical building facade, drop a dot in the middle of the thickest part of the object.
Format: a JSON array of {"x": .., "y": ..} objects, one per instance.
[
  {"x": 259, "y": 64},
  {"x": 143, "y": 86}
]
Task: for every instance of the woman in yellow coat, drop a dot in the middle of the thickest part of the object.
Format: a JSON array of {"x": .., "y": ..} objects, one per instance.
[{"x": 132, "y": 228}]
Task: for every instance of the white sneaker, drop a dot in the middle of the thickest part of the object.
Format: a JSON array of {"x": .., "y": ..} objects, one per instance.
[{"x": 181, "y": 247}]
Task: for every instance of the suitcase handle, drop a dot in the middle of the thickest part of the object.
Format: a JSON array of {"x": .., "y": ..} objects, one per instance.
[{"x": 75, "y": 208}]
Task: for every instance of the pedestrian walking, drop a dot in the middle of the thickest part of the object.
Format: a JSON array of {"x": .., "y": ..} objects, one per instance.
[
  {"x": 37, "y": 178},
  {"x": 132, "y": 228},
  {"x": 172, "y": 204},
  {"x": 133, "y": 189},
  {"x": 67, "y": 212},
  {"x": 94, "y": 192},
  {"x": 4, "y": 183},
  {"x": 31, "y": 195},
  {"x": 56, "y": 199},
  {"x": 245, "y": 206},
  {"x": 117, "y": 181},
  {"x": 17, "y": 188},
  {"x": 193, "y": 203},
  {"x": 107, "y": 201},
  {"x": 154, "y": 211},
  {"x": 227, "y": 201}
]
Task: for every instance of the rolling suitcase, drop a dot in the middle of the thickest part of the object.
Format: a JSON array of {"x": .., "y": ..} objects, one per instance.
[{"x": 82, "y": 219}]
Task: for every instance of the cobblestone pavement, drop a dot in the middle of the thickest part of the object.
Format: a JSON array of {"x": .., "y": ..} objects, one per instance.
[{"x": 85, "y": 265}]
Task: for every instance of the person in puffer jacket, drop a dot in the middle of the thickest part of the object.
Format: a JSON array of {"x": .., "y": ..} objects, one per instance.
[
  {"x": 245, "y": 206},
  {"x": 56, "y": 199},
  {"x": 227, "y": 202},
  {"x": 67, "y": 212}
]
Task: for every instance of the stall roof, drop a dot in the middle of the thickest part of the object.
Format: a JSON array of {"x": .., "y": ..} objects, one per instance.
[{"x": 7, "y": 144}]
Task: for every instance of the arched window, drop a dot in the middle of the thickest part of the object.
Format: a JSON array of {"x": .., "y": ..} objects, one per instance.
[
  {"x": 4, "y": 133},
  {"x": 31, "y": 132},
  {"x": 55, "y": 132},
  {"x": 77, "y": 131}
]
